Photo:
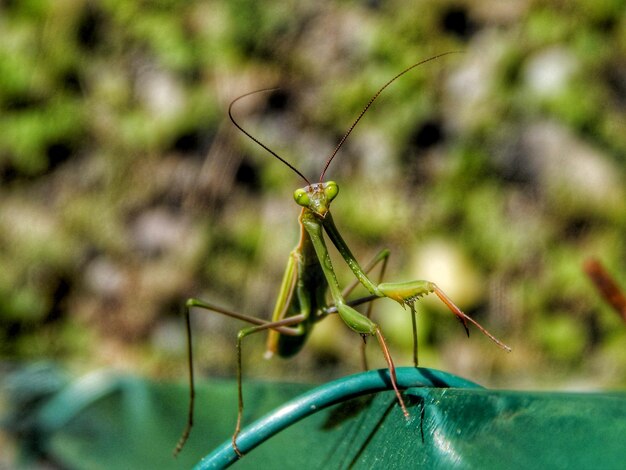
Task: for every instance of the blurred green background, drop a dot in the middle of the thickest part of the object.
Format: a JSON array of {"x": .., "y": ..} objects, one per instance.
[{"x": 125, "y": 189}]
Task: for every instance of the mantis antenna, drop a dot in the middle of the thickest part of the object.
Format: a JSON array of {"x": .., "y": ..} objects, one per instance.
[
  {"x": 230, "y": 114},
  {"x": 345, "y": 136}
]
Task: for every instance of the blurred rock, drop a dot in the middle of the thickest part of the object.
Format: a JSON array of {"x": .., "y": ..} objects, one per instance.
[
  {"x": 573, "y": 173},
  {"x": 157, "y": 231},
  {"x": 160, "y": 92},
  {"x": 169, "y": 336},
  {"x": 443, "y": 262},
  {"x": 548, "y": 72},
  {"x": 105, "y": 278},
  {"x": 470, "y": 87}
]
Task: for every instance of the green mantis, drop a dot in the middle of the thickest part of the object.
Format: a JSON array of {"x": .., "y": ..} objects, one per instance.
[{"x": 308, "y": 279}]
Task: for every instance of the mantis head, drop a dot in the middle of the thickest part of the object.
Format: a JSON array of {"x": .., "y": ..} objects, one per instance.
[{"x": 317, "y": 197}]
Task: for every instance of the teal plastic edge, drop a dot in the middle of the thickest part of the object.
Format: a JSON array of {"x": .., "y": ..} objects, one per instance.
[{"x": 322, "y": 397}]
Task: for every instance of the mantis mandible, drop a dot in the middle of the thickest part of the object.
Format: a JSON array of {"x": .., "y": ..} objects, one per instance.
[{"x": 309, "y": 275}]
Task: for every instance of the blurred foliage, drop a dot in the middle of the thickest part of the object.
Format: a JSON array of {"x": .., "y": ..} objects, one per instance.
[{"x": 495, "y": 172}]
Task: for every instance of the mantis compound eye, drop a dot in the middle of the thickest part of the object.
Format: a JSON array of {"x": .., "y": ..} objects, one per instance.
[
  {"x": 301, "y": 197},
  {"x": 330, "y": 190}
]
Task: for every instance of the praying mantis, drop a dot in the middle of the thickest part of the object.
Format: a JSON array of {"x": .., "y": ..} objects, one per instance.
[{"x": 309, "y": 276}]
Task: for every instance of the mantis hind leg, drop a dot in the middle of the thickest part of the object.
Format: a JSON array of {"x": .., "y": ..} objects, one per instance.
[
  {"x": 284, "y": 326},
  {"x": 281, "y": 326}
]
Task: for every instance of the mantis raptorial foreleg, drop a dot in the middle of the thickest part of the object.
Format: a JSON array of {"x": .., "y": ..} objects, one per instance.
[
  {"x": 423, "y": 288},
  {"x": 405, "y": 293},
  {"x": 380, "y": 258},
  {"x": 409, "y": 292},
  {"x": 356, "y": 321}
]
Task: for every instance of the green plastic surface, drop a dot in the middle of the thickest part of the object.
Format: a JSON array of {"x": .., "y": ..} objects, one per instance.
[
  {"x": 453, "y": 428},
  {"x": 106, "y": 421},
  {"x": 338, "y": 392}
]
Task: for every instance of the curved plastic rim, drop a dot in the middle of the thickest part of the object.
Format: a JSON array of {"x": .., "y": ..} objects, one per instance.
[{"x": 322, "y": 397}]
